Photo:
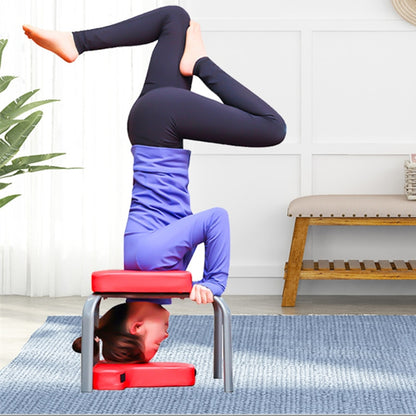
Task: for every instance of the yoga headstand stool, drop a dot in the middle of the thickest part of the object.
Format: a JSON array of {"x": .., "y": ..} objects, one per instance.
[{"x": 145, "y": 285}]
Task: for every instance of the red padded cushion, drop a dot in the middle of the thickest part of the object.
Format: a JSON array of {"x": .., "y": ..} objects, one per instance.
[
  {"x": 133, "y": 281},
  {"x": 121, "y": 376}
]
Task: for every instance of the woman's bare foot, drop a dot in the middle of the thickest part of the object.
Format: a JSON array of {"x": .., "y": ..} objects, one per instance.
[
  {"x": 194, "y": 49},
  {"x": 60, "y": 43}
]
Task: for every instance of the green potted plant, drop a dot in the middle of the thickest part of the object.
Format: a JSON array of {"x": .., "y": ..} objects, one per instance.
[{"x": 14, "y": 131}]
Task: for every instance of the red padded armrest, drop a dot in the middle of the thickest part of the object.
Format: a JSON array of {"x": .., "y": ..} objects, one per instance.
[
  {"x": 121, "y": 376},
  {"x": 133, "y": 281}
]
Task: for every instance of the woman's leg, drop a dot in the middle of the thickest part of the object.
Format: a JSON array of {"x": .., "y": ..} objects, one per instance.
[
  {"x": 243, "y": 119},
  {"x": 167, "y": 25},
  {"x": 172, "y": 247},
  {"x": 168, "y": 115}
]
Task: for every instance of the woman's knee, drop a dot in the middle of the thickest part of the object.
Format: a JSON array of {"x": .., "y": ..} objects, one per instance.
[
  {"x": 281, "y": 130},
  {"x": 220, "y": 214},
  {"x": 178, "y": 15},
  {"x": 276, "y": 131}
]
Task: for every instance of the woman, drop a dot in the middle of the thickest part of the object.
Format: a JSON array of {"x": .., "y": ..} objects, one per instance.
[{"x": 162, "y": 233}]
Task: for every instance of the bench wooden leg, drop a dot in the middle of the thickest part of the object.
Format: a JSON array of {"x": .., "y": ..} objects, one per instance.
[{"x": 294, "y": 265}]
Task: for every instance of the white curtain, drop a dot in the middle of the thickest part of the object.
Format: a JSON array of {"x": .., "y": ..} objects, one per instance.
[{"x": 68, "y": 223}]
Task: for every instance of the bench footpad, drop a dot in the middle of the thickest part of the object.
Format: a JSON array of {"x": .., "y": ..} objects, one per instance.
[{"x": 108, "y": 376}]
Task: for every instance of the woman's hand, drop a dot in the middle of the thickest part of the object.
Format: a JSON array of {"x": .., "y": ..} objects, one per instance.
[{"x": 201, "y": 294}]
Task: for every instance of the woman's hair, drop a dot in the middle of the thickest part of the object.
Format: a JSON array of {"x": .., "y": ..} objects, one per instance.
[{"x": 118, "y": 345}]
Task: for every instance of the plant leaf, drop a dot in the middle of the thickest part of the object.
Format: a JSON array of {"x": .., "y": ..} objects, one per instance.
[
  {"x": 16, "y": 107},
  {"x": 8, "y": 111},
  {"x": 4, "y": 147},
  {"x": 3, "y": 43},
  {"x": 5, "y": 81},
  {"x": 6, "y": 170},
  {"x": 3, "y": 185},
  {"x": 7, "y": 199},
  {"x": 18, "y": 172},
  {"x": 6, "y": 124},
  {"x": 26, "y": 160},
  {"x": 17, "y": 136},
  {"x": 35, "y": 104},
  {"x": 44, "y": 167}
]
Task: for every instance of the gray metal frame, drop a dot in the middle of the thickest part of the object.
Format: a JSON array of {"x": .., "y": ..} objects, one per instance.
[{"x": 222, "y": 337}]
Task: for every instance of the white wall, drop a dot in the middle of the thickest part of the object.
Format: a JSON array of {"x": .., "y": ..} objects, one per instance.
[{"x": 340, "y": 72}]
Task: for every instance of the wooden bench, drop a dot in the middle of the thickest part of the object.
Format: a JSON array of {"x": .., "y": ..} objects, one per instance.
[{"x": 346, "y": 210}]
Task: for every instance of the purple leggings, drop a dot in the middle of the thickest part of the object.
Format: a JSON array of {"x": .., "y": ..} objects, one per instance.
[{"x": 165, "y": 113}]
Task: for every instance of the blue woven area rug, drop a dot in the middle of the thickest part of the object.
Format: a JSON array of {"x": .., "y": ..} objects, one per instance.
[{"x": 342, "y": 364}]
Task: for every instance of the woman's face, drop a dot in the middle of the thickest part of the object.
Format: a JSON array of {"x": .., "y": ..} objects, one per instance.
[{"x": 152, "y": 325}]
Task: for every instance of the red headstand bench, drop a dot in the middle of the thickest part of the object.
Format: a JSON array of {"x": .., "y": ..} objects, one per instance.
[{"x": 99, "y": 375}]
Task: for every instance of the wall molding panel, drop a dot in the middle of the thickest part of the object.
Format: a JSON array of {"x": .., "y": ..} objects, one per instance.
[{"x": 308, "y": 146}]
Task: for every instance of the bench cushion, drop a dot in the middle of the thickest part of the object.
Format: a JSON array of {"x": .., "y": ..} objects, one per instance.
[
  {"x": 109, "y": 376},
  {"x": 352, "y": 206},
  {"x": 133, "y": 281}
]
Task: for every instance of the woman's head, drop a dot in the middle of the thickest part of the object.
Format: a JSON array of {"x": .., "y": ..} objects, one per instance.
[
  {"x": 130, "y": 332},
  {"x": 150, "y": 322}
]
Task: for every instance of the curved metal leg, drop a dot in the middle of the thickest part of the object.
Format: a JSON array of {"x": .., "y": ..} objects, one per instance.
[
  {"x": 89, "y": 320},
  {"x": 218, "y": 320},
  {"x": 225, "y": 313}
]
